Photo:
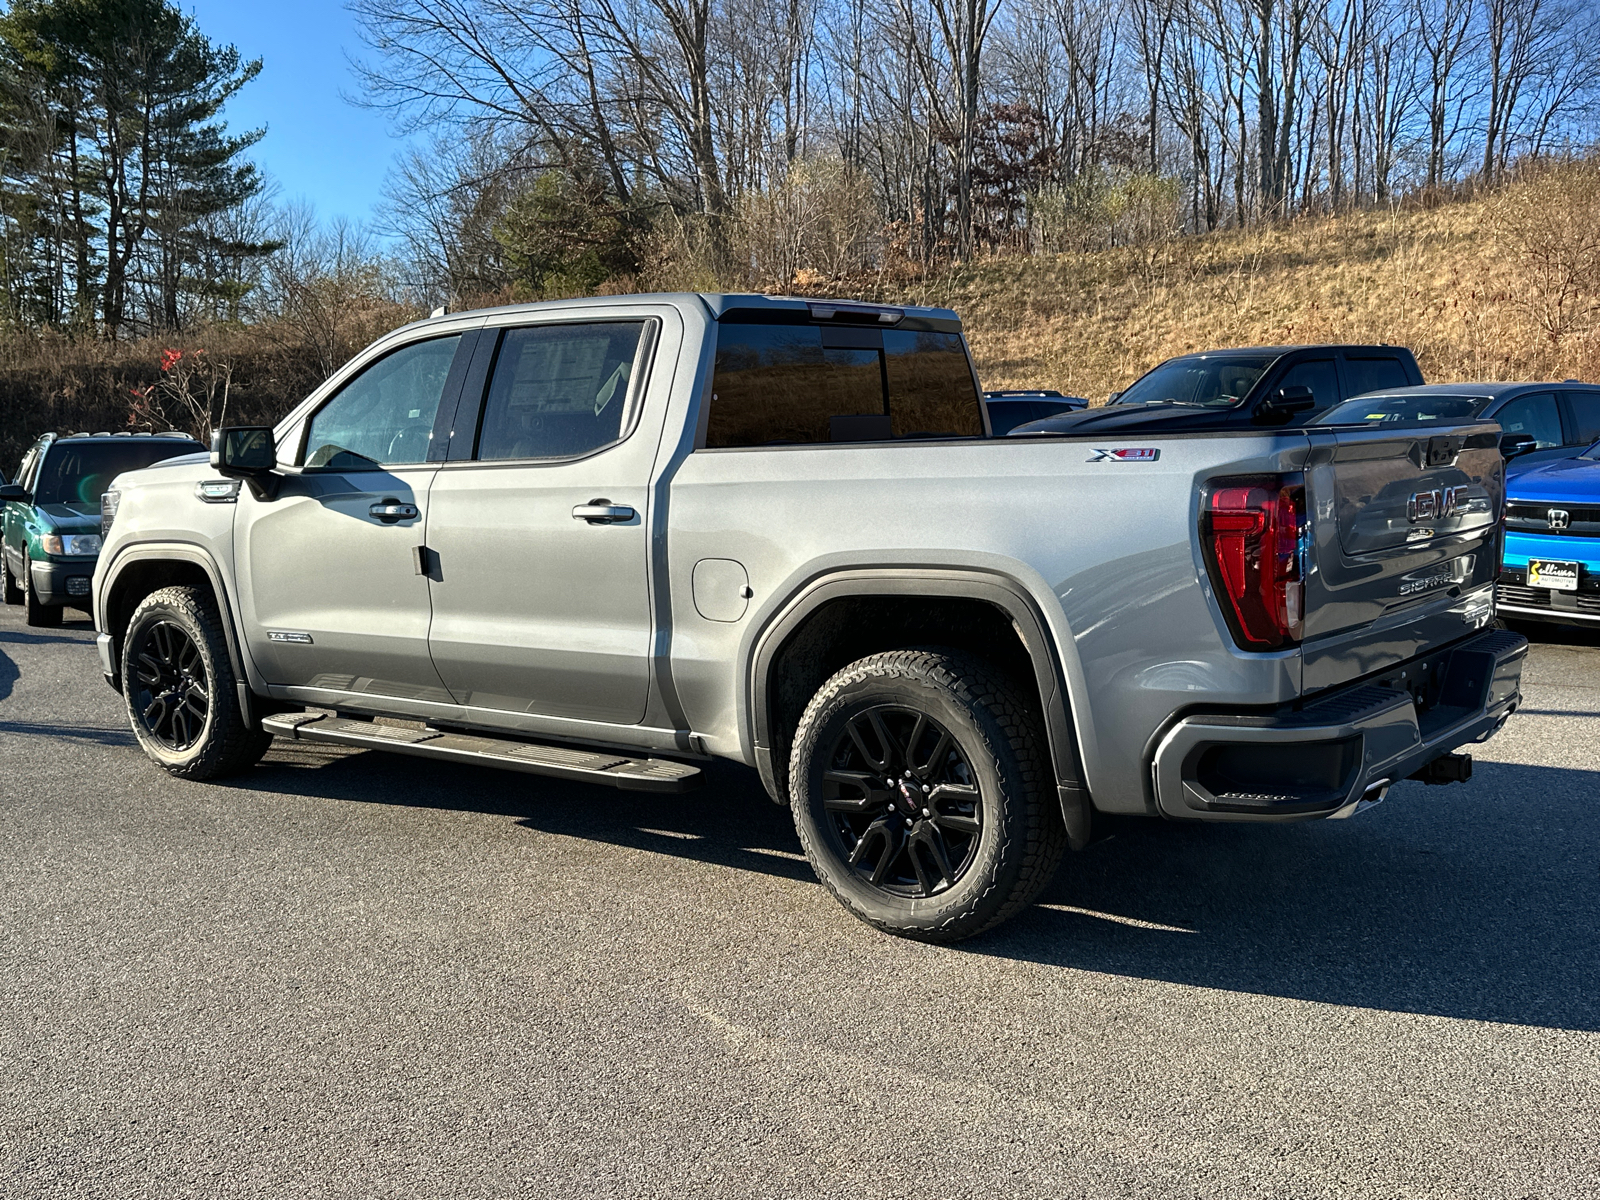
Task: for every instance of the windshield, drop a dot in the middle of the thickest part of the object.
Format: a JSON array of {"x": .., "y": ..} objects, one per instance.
[
  {"x": 1404, "y": 410},
  {"x": 1209, "y": 382},
  {"x": 77, "y": 472}
]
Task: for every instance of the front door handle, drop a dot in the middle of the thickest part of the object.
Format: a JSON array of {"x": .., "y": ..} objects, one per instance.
[
  {"x": 390, "y": 511},
  {"x": 602, "y": 512}
]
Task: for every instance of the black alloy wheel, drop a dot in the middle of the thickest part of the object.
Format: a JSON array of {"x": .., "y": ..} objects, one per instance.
[
  {"x": 922, "y": 794},
  {"x": 902, "y": 802},
  {"x": 169, "y": 690},
  {"x": 184, "y": 701}
]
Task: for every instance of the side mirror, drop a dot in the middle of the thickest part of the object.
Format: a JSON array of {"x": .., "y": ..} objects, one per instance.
[
  {"x": 1287, "y": 401},
  {"x": 250, "y": 453},
  {"x": 12, "y": 491},
  {"x": 1511, "y": 445}
]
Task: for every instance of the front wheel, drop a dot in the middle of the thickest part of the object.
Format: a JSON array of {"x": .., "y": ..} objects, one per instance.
[
  {"x": 921, "y": 795},
  {"x": 180, "y": 689},
  {"x": 37, "y": 614},
  {"x": 8, "y": 583}
]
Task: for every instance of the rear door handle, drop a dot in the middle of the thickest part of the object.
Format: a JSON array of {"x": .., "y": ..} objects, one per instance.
[
  {"x": 390, "y": 511},
  {"x": 602, "y": 512}
]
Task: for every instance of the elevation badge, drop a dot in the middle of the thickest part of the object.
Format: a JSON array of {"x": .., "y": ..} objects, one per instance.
[{"x": 1136, "y": 454}]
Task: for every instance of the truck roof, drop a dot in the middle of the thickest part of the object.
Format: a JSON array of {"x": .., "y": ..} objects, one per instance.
[{"x": 721, "y": 304}]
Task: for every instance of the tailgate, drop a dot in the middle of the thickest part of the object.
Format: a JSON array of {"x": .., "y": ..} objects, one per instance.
[{"x": 1405, "y": 544}]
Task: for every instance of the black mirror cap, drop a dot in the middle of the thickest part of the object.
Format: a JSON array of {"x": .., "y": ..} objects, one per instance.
[
  {"x": 240, "y": 451},
  {"x": 1513, "y": 444},
  {"x": 1294, "y": 399},
  {"x": 1285, "y": 403},
  {"x": 13, "y": 491}
]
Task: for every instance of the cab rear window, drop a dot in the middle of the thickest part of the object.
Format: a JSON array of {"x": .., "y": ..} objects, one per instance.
[{"x": 789, "y": 384}]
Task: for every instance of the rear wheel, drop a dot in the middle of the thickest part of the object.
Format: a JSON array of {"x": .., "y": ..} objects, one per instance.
[
  {"x": 8, "y": 584},
  {"x": 921, "y": 795},
  {"x": 38, "y": 614},
  {"x": 178, "y": 681}
]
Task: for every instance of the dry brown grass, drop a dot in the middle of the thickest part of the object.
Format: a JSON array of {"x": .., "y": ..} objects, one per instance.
[{"x": 1444, "y": 281}]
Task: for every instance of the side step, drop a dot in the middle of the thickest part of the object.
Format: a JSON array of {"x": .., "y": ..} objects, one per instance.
[{"x": 563, "y": 762}]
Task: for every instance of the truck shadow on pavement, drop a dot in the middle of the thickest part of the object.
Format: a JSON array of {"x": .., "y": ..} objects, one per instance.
[
  {"x": 729, "y": 822},
  {"x": 1477, "y": 901}
]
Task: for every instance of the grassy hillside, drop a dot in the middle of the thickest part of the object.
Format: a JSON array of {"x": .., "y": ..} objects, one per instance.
[
  {"x": 1497, "y": 287},
  {"x": 1456, "y": 283}
]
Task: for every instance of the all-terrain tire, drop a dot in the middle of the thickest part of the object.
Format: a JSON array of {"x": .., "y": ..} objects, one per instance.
[
  {"x": 1001, "y": 740},
  {"x": 8, "y": 585},
  {"x": 46, "y": 616},
  {"x": 180, "y": 688}
]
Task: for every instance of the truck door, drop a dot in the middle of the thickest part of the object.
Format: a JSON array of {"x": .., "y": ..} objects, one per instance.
[
  {"x": 330, "y": 593},
  {"x": 539, "y": 528}
]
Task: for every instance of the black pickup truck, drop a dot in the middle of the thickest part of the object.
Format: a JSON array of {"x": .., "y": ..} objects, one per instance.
[{"x": 1248, "y": 388}]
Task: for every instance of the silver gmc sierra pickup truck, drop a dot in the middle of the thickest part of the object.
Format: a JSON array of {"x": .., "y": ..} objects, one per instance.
[{"x": 608, "y": 539}]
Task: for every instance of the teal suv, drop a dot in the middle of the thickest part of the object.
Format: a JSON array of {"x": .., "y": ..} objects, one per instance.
[{"x": 50, "y": 527}]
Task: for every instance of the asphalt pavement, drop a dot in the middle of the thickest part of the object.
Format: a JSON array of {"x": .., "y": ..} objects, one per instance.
[{"x": 347, "y": 974}]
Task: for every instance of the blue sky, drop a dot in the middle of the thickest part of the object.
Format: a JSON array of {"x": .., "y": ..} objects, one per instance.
[{"x": 318, "y": 147}]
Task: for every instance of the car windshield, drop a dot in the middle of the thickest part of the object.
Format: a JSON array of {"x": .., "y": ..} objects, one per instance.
[
  {"x": 1212, "y": 381},
  {"x": 1404, "y": 410},
  {"x": 77, "y": 472}
]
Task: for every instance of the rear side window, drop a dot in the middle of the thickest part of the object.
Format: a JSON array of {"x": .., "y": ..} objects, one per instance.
[
  {"x": 1585, "y": 415},
  {"x": 1375, "y": 374},
  {"x": 77, "y": 472},
  {"x": 559, "y": 390},
  {"x": 931, "y": 391},
  {"x": 783, "y": 384},
  {"x": 1534, "y": 415}
]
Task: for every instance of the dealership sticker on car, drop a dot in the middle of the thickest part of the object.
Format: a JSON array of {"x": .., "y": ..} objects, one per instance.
[{"x": 1553, "y": 574}]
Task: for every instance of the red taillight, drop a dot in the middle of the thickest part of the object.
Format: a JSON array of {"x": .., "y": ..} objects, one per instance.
[{"x": 1251, "y": 533}]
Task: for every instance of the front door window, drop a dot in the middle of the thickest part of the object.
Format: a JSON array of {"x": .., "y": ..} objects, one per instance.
[
  {"x": 1534, "y": 415},
  {"x": 384, "y": 416}
]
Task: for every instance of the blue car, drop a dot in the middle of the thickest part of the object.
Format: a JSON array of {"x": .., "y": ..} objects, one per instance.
[
  {"x": 1551, "y": 568},
  {"x": 1556, "y": 420}
]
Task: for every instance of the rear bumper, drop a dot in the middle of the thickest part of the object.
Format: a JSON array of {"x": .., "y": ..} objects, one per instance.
[
  {"x": 62, "y": 583},
  {"x": 1323, "y": 760}
]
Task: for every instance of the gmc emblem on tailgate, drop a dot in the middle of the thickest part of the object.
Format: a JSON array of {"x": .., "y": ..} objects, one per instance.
[{"x": 1437, "y": 504}]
